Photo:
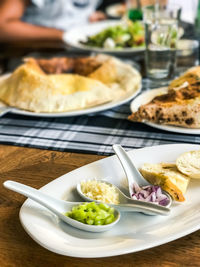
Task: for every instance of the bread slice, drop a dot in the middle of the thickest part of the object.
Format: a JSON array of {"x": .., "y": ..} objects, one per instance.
[
  {"x": 191, "y": 76},
  {"x": 179, "y": 106},
  {"x": 168, "y": 177},
  {"x": 189, "y": 164},
  {"x": 185, "y": 114}
]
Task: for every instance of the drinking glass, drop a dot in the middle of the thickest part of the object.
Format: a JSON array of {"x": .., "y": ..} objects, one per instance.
[{"x": 161, "y": 36}]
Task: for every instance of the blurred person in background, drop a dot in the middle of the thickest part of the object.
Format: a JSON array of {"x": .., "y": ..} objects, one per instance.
[
  {"x": 44, "y": 20},
  {"x": 188, "y": 9}
]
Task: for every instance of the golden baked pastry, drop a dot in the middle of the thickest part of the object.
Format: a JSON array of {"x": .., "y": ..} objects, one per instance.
[
  {"x": 106, "y": 69},
  {"x": 117, "y": 75},
  {"x": 192, "y": 76},
  {"x": 43, "y": 85},
  {"x": 78, "y": 65},
  {"x": 30, "y": 89},
  {"x": 168, "y": 177},
  {"x": 179, "y": 106}
]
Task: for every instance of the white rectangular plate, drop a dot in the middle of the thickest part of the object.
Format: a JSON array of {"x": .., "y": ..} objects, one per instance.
[{"x": 134, "y": 232}]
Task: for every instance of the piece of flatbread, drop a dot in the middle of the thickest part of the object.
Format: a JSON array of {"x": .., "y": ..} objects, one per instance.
[
  {"x": 191, "y": 76},
  {"x": 121, "y": 77},
  {"x": 180, "y": 106},
  {"x": 43, "y": 86},
  {"x": 30, "y": 89},
  {"x": 189, "y": 164},
  {"x": 168, "y": 177}
]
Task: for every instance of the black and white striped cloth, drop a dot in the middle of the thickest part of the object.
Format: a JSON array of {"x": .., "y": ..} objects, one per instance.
[{"x": 85, "y": 134}]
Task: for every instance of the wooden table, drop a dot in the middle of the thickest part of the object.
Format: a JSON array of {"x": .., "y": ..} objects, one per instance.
[{"x": 36, "y": 168}]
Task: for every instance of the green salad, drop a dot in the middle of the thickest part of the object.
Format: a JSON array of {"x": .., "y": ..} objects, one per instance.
[{"x": 130, "y": 34}]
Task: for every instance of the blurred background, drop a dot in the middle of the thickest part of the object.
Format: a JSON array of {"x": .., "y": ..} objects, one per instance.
[{"x": 36, "y": 27}]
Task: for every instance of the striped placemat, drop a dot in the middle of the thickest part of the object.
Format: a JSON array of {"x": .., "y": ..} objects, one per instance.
[{"x": 85, "y": 134}]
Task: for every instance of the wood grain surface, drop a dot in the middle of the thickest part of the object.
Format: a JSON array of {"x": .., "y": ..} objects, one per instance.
[{"x": 36, "y": 168}]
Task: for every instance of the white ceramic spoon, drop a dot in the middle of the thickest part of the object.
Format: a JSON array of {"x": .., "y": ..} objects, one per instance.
[
  {"x": 132, "y": 173},
  {"x": 57, "y": 206},
  {"x": 130, "y": 205}
]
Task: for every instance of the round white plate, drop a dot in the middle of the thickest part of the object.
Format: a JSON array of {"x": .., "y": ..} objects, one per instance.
[
  {"x": 146, "y": 97},
  {"x": 77, "y": 34},
  {"x": 122, "y": 100},
  {"x": 134, "y": 232}
]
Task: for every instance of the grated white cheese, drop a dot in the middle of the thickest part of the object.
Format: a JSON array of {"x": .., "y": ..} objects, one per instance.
[{"x": 100, "y": 191}]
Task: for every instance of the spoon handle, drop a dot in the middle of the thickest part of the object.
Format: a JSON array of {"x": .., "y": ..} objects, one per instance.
[
  {"x": 133, "y": 175},
  {"x": 47, "y": 201},
  {"x": 146, "y": 208}
]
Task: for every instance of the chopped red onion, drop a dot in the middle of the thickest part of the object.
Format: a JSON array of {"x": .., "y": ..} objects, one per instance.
[{"x": 149, "y": 193}]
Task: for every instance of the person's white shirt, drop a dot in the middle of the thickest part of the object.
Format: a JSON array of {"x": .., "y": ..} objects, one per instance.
[
  {"x": 60, "y": 14},
  {"x": 188, "y": 9}
]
